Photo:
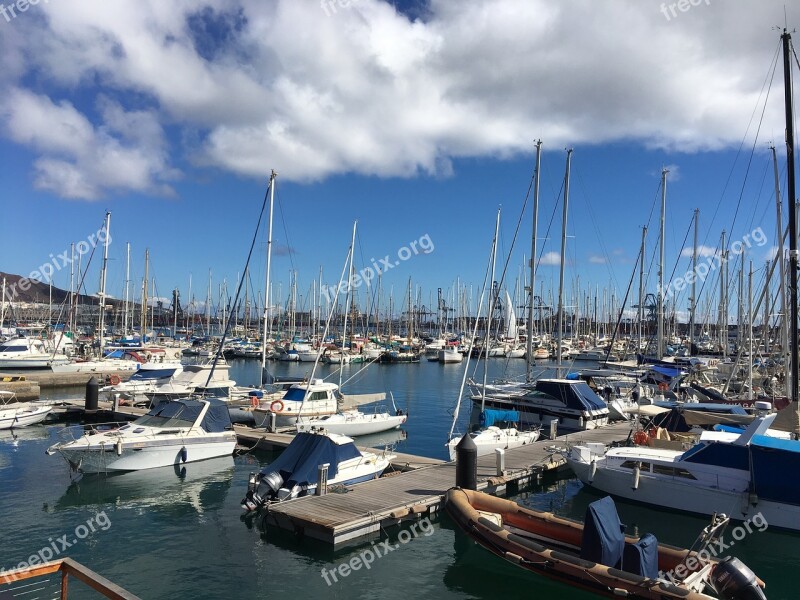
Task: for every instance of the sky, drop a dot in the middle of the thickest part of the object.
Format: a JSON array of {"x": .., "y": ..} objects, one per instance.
[{"x": 417, "y": 120}]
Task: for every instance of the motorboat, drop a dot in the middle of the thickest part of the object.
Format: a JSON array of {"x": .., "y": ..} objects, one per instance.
[
  {"x": 172, "y": 433},
  {"x": 741, "y": 472},
  {"x": 572, "y": 402},
  {"x": 354, "y": 422},
  {"x": 597, "y": 556},
  {"x": 296, "y": 471},
  {"x": 450, "y": 354},
  {"x": 28, "y": 353},
  {"x": 490, "y": 437},
  {"x": 20, "y": 414},
  {"x": 147, "y": 379},
  {"x": 310, "y": 400},
  {"x": 207, "y": 380}
]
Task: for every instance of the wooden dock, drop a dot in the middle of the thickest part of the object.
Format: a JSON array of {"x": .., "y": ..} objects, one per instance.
[{"x": 364, "y": 510}]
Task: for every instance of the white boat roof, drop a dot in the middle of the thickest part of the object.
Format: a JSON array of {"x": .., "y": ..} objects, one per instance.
[{"x": 644, "y": 453}]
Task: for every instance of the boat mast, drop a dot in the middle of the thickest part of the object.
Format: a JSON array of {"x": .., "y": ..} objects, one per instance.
[
  {"x": 750, "y": 330},
  {"x": 208, "y": 305},
  {"x": 103, "y": 284},
  {"x": 782, "y": 287},
  {"x": 492, "y": 300},
  {"x": 693, "y": 309},
  {"x": 563, "y": 262},
  {"x": 265, "y": 330},
  {"x": 348, "y": 302},
  {"x": 144, "y": 295},
  {"x": 792, "y": 215},
  {"x": 641, "y": 288},
  {"x": 127, "y": 286},
  {"x": 660, "y": 324},
  {"x": 532, "y": 295}
]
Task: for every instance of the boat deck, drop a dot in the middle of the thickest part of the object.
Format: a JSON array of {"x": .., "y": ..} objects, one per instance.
[{"x": 365, "y": 509}]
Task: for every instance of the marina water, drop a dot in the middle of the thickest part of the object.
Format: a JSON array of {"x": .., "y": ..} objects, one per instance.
[{"x": 181, "y": 533}]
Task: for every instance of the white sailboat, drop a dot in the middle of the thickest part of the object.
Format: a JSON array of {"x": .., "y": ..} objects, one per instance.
[{"x": 490, "y": 437}]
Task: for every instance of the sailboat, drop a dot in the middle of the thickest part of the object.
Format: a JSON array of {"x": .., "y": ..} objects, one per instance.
[
  {"x": 744, "y": 473},
  {"x": 489, "y": 437}
]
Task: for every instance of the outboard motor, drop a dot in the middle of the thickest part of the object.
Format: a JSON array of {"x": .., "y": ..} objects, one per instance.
[
  {"x": 261, "y": 489},
  {"x": 733, "y": 580}
]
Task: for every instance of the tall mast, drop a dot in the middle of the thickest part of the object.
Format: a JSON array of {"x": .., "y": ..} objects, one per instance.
[
  {"x": 723, "y": 299},
  {"x": 641, "y": 287},
  {"x": 127, "y": 286},
  {"x": 693, "y": 309},
  {"x": 563, "y": 262},
  {"x": 208, "y": 305},
  {"x": 103, "y": 284},
  {"x": 529, "y": 343},
  {"x": 348, "y": 302},
  {"x": 784, "y": 322},
  {"x": 660, "y": 324},
  {"x": 71, "y": 323},
  {"x": 492, "y": 301},
  {"x": 792, "y": 215},
  {"x": 265, "y": 331},
  {"x": 144, "y": 294}
]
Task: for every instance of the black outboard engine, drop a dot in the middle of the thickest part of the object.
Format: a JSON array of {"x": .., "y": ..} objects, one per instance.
[
  {"x": 733, "y": 580},
  {"x": 261, "y": 489}
]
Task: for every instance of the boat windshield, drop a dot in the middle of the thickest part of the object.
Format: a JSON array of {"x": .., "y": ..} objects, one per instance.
[
  {"x": 12, "y": 348},
  {"x": 170, "y": 414}
]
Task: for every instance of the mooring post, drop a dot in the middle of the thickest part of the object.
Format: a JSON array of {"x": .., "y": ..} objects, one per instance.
[
  {"x": 500, "y": 456},
  {"x": 92, "y": 392},
  {"x": 322, "y": 479},
  {"x": 467, "y": 464}
]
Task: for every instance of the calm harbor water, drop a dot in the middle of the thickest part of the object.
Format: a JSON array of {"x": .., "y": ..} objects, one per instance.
[{"x": 179, "y": 534}]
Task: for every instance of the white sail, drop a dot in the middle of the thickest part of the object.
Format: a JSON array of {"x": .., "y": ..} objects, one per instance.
[{"x": 510, "y": 319}]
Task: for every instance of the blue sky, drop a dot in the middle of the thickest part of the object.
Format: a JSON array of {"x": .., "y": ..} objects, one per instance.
[{"x": 414, "y": 120}]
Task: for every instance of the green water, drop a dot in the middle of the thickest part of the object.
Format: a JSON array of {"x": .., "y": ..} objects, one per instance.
[{"x": 181, "y": 534}]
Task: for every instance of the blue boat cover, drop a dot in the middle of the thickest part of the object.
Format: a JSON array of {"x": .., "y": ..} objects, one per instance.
[
  {"x": 178, "y": 412},
  {"x": 603, "y": 537},
  {"x": 775, "y": 462},
  {"x": 667, "y": 371},
  {"x": 641, "y": 558},
  {"x": 490, "y": 416},
  {"x": 298, "y": 463}
]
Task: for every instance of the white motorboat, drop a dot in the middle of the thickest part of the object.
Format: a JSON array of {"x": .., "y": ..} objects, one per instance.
[
  {"x": 147, "y": 379},
  {"x": 194, "y": 379},
  {"x": 172, "y": 433},
  {"x": 450, "y": 354},
  {"x": 296, "y": 471},
  {"x": 354, "y": 423},
  {"x": 28, "y": 353},
  {"x": 20, "y": 414},
  {"x": 743, "y": 475},
  {"x": 310, "y": 400}
]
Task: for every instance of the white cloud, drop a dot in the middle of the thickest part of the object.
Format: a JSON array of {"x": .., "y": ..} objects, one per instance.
[
  {"x": 550, "y": 258},
  {"x": 597, "y": 260},
  {"x": 252, "y": 85},
  {"x": 702, "y": 251}
]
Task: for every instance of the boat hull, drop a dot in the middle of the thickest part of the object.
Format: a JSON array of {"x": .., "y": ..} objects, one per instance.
[
  {"x": 739, "y": 505},
  {"x": 105, "y": 460},
  {"x": 370, "y": 424},
  {"x": 14, "y": 418}
]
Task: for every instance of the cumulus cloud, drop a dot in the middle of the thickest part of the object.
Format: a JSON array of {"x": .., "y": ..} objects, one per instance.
[
  {"x": 702, "y": 251},
  {"x": 550, "y": 258},
  {"x": 597, "y": 260},
  {"x": 246, "y": 85}
]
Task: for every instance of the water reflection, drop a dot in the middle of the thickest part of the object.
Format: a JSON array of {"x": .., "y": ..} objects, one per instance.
[{"x": 197, "y": 486}]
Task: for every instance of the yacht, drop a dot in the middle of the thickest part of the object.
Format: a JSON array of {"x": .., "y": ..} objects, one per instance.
[
  {"x": 147, "y": 379},
  {"x": 172, "y": 433},
  {"x": 741, "y": 473},
  {"x": 354, "y": 422},
  {"x": 194, "y": 379},
  {"x": 28, "y": 353},
  {"x": 571, "y": 402},
  {"x": 305, "y": 401},
  {"x": 490, "y": 437}
]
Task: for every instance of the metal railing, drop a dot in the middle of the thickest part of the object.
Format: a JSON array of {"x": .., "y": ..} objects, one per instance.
[{"x": 52, "y": 580}]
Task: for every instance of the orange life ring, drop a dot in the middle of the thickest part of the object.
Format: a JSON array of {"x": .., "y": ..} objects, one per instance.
[
  {"x": 114, "y": 380},
  {"x": 254, "y": 401},
  {"x": 276, "y": 406},
  {"x": 640, "y": 438}
]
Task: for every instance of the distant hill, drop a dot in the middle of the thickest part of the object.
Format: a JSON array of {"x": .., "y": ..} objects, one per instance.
[{"x": 40, "y": 292}]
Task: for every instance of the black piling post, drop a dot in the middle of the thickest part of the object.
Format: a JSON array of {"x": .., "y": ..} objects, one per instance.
[
  {"x": 92, "y": 394},
  {"x": 467, "y": 464}
]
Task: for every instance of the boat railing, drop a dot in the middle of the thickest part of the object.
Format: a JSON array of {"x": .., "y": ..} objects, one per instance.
[
  {"x": 53, "y": 580},
  {"x": 72, "y": 433}
]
